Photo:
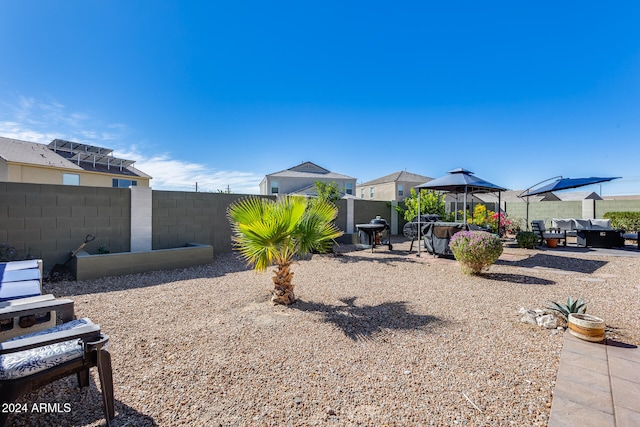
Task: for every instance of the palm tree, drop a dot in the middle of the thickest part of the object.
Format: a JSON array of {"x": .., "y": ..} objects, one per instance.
[{"x": 268, "y": 232}]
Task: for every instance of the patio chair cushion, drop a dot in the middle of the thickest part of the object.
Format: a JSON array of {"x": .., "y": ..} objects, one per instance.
[
  {"x": 28, "y": 362},
  {"x": 582, "y": 224},
  {"x": 562, "y": 224},
  {"x": 600, "y": 224}
]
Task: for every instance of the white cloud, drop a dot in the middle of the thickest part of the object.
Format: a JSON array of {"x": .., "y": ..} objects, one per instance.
[
  {"x": 42, "y": 121},
  {"x": 178, "y": 175}
]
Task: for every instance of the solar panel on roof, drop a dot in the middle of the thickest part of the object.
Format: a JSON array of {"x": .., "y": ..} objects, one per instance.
[
  {"x": 76, "y": 147},
  {"x": 99, "y": 159}
]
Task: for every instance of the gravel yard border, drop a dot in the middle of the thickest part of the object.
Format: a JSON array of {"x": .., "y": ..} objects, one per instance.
[{"x": 382, "y": 338}]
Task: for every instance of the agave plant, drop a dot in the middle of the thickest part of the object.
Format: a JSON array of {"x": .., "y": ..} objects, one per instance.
[
  {"x": 571, "y": 306},
  {"x": 268, "y": 232}
]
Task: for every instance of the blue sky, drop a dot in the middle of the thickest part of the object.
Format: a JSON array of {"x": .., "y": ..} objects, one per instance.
[{"x": 222, "y": 93}]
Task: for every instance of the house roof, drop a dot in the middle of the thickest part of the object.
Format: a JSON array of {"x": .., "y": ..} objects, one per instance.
[
  {"x": 312, "y": 190},
  {"x": 33, "y": 153},
  {"x": 622, "y": 197},
  {"x": 506, "y": 196},
  {"x": 577, "y": 195},
  {"x": 17, "y": 151},
  {"x": 512, "y": 196},
  {"x": 403, "y": 176},
  {"x": 308, "y": 169}
]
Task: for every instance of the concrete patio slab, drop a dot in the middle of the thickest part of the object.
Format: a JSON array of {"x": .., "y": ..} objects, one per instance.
[{"x": 598, "y": 384}]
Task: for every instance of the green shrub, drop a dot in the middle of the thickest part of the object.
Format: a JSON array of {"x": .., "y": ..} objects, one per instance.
[
  {"x": 527, "y": 239},
  {"x": 475, "y": 250},
  {"x": 628, "y": 221}
]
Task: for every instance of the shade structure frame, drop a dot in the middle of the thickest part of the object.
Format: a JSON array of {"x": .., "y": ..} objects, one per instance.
[{"x": 460, "y": 181}]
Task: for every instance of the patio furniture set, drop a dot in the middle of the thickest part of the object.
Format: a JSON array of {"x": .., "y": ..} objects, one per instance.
[
  {"x": 41, "y": 340},
  {"x": 596, "y": 233}
]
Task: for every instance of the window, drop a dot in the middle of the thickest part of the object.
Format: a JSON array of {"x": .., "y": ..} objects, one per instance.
[
  {"x": 371, "y": 192},
  {"x": 70, "y": 179},
  {"x": 349, "y": 188},
  {"x": 362, "y": 193},
  {"x": 124, "y": 183},
  {"x": 274, "y": 187},
  {"x": 400, "y": 190}
]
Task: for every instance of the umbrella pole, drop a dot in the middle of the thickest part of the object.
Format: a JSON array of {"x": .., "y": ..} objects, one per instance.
[
  {"x": 527, "y": 213},
  {"x": 418, "y": 236}
]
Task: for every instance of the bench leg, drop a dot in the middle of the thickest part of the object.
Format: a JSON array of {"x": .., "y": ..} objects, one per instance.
[
  {"x": 83, "y": 378},
  {"x": 106, "y": 384}
]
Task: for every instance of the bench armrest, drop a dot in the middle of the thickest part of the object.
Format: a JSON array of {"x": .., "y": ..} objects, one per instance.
[
  {"x": 86, "y": 333},
  {"x": 63, "y": 306}
]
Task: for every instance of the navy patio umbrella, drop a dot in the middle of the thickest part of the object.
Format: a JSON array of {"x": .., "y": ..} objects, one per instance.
[{"x": 560, "y": 183}]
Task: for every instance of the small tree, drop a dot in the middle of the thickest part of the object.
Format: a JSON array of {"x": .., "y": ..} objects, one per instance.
[
  {"x": 328, "y": 191},
  {"x": 268, "y": 232},
  {"x": 431, "y": 202}
]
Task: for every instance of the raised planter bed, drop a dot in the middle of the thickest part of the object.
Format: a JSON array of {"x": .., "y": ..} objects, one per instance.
[{"x": 86, "y": 266}]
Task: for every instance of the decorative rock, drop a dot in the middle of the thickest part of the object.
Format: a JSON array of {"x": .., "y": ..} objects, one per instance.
[
  {"x": 548, "y": 321},
  {"x": 538, "y": 317},
  {"x": 529, "y": 317}
]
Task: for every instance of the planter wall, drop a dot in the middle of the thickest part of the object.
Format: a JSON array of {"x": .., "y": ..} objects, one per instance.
[{"x": 86, "y": 266}]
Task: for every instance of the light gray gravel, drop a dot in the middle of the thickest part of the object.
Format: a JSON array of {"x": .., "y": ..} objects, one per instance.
[{"x": 381, "y": 338}]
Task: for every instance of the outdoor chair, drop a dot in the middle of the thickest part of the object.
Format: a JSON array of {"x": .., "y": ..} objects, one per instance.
[
  {"x": 20, "y": 279},
  {"x": 28, "y": 362},
  {"x": 28, "y": 315},
  {"x": 633, "y": 237},
  {"x": 21, "y": 292},
  {"x": 537, "y": 226}
]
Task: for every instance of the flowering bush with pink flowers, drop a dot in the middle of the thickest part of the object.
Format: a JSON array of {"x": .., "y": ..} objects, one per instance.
[{"x": 475, "y": 250}]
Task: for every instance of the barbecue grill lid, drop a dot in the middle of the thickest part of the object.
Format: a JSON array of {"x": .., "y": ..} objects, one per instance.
[{"x": 378, "y": 220}]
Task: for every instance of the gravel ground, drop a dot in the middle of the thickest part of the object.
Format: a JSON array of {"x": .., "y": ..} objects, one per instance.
[{"x": 381, "y": 338}]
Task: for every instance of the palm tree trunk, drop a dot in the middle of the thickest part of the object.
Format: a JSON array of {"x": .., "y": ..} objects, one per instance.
[{"x": 282, "y": 292}]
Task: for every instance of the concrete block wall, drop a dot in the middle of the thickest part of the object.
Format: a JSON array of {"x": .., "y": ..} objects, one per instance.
[
  {"x": 544, "y": 210},
  {"x": 366, "y": 210},
  {"x": 586, "y": 209},
  {"x": 342, "y": 218},
  {"x": 50, "y": 221},
  {"x": 180, "y": 217},
  {"x": 604, "y": 206}
]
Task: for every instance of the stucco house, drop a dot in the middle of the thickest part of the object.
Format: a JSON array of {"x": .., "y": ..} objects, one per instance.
[
  {"x": 395, "y": 186},
  {"x": 301, "y": 180},
  {"x": 66, "y": 163}
]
